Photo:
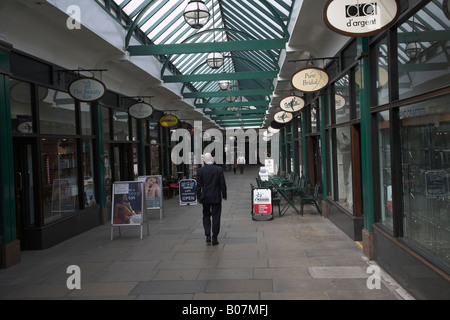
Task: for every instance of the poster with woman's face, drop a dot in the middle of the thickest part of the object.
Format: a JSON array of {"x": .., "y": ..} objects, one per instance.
[
  {"x": 127, "y": 206},
  {"x": 152, "y": 191}
]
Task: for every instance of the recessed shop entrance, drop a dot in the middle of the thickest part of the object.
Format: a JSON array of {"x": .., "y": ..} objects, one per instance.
[{"x": 25, "y": 186}]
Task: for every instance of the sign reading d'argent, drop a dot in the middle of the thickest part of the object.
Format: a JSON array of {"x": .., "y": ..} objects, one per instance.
[{"x": 360, "y": 17}]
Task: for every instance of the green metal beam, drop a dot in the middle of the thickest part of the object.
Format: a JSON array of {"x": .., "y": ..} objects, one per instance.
[
  {"x": 424, "y": 36},
  {"x": 242, "y": 117},
  {"x": 221, "y": 76},
  {"x": 227, "y": 112},
  {"x": 234, "y": 104},
  {"x": 187, "y": 48},
  {"x": 228, "y": 93}
]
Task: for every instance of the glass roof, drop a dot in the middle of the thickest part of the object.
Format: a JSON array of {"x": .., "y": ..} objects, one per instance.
[{"x": 161, "y": 23}]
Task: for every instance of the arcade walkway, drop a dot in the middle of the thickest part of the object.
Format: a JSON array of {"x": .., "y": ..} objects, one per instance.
[{"x": 288, "y": 258}]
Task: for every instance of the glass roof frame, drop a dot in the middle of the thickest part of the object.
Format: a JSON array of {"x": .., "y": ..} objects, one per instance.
[{"x": 162, "y": 22}]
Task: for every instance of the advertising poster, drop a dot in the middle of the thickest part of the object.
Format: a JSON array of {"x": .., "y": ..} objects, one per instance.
[
  {"x": 128, "y": 204},
  {"x": 152, "y": 191},
  {"x": 262, "y": 201},
  {"x": 188, "y": 193}
]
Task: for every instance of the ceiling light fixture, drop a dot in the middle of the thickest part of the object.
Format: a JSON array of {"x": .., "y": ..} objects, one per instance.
[{"x": 196, "y": 14}]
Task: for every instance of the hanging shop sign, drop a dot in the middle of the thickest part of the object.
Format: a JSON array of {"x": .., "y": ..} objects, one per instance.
[
  {"x": 87, "y": 89},
  {"x": 360, "y": 18},
  {"x": 292, "y": 104},
  {"x": 310, "y": 79},
  {"x": 168, "y": 121},
  {"x": 140, "y": 110},
  {"x": 283, "y": 117}
]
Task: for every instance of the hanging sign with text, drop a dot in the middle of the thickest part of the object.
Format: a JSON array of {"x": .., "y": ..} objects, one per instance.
[
  {"x": 360, "y": 18},
  {"x": 87, "y": 89},
  {"x": 310, "y": 80},
  {"x": 292, "y": 104},
  {"x": 140, "y": 110}
]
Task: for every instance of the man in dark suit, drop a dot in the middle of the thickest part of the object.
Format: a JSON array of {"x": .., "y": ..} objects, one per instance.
[{"x": 211, "y": 188}]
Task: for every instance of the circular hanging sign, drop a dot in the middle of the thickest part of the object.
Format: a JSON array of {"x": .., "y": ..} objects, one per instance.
[
  {"x": 168, "y": 121},
  {"x": 283, "y": 117},
  {"x": 310, "y": 79},
  {"x": 292, "y": 103},
  {"x": 140, "y": 110},
  {"x": 356, "y": 18},
  {"x": 87, "y": 89}
]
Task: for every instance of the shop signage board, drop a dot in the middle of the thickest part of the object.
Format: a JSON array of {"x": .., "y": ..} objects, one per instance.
[
  {"x": 168, "y": 121},
  {"x": 292, "y": 103},
  {"x": 262, "y": 204},
  {"x": 310, "y": 80},
  {"x": 87, "y": 89},
  {"x": 127, "y": 205},
  {"x": 283, "y": 117},
  {"x": 188, "y": 194},
  {"x": 355, "y": 18},
  {"x": 140, "y": 110}
]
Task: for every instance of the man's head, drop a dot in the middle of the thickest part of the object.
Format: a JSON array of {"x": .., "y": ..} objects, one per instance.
[{"x": 208, "y": 158}]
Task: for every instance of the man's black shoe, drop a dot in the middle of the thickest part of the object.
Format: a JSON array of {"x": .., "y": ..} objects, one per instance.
[
  {"x": 208, "y": 239},
  {"x": 215, "y": 242}
]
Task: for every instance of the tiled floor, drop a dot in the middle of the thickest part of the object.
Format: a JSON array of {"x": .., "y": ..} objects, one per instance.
[{"x": 289, "y": 258}]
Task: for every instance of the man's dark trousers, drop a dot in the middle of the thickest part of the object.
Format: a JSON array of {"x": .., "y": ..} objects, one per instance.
[{"x": 213, "y": 210}]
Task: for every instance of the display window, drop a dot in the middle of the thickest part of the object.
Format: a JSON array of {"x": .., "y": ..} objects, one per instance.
[
  {"x": 59, "y": 176},
  {"x": 425, "y": 164}
]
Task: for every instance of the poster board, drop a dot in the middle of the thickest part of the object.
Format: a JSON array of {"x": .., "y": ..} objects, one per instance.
[
  {"x": 153, "y": 193},
  {"x": 188, "y": 194},
  {"x": 127, "y": 205},
  {"x": 262, "y": 204}
]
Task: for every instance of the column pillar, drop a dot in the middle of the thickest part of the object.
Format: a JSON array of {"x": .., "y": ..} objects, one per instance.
[
  {"x": 9, "y": 245},
  {"x": 366, "y": 146}
]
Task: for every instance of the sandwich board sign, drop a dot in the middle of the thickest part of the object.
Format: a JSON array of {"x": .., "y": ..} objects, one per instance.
[
  {"x": 188, "y": 194},
  {"x": 127, "y": 205},
  {"x": 262, "y": 204}
]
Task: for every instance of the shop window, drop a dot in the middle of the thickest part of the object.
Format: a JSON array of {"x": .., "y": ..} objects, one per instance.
[
  {"x": 344, "y": 166},
  {"x": 425, "y": 155},
  {"x": 87, "y": 159},
  {"x": 384, "y": 154},
  {"x": 156, "y": 165},
  {"x": 342, "y": 99},
  {"x": 121, "y": 129},
  {"x": 21, "y": 108},
  {"x": 86, "y": 119},
  {"x": 423, "y": 59},
  {"x": 154, "y": 132},
  {"x": 59, "y": 176},
  {"x": 381, "y": 72},
  {"x": 57, "y": 113}
]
